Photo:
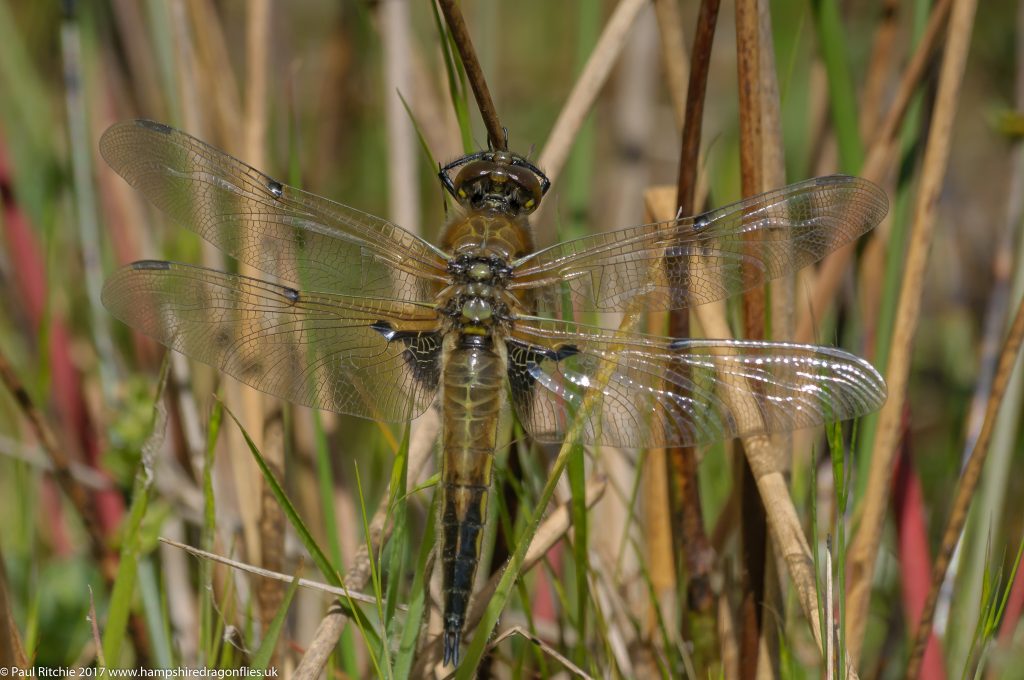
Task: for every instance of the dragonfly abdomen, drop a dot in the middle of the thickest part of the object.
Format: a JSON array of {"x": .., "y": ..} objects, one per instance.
[{"x": 473, "y": 390}]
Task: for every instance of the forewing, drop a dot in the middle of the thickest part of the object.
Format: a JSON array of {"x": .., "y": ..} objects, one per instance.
[
  {"x": 695, "y": 260},
  {"x": 649, "y": 391},
  {"x": 300, "y": 237},
  {"x": 368, "y": 357}
]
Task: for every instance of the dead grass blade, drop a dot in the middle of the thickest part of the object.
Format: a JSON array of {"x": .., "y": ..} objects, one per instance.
[
  {"x": 588, "y": 85},
  {"x": 271, "y": 574}
]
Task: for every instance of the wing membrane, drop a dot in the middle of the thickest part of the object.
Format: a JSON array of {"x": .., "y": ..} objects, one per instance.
[
  {"x": 369, "y": 357},
  {"x": 695, "y": 260},
  {"x": 300, "y": 237},
  {"x": 663, "y": 392}
]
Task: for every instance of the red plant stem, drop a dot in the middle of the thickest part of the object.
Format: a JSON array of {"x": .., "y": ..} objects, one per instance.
[
  {"x": 914, "y": 556},
  {"x": 31, "y": 284}
]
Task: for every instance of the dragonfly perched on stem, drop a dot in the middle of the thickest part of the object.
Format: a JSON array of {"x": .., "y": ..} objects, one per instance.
[{"x": 368, "y": 319}]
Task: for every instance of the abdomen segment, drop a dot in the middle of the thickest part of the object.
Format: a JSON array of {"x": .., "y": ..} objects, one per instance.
[{"x": 472, "y": 398}]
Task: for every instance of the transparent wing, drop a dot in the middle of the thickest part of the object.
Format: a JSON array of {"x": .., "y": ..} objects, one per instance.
[
  {"x": 694, "y": 260},
  {"x": 300, "y": 237},
  {"x": 368, "y": 357},
  {"x": 664, "y": 392}
]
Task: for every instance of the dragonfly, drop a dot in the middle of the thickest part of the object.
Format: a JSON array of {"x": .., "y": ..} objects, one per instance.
[{"x": 365, "y": 318}]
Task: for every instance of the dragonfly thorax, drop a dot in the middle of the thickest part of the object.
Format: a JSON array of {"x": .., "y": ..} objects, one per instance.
[{"x": 470, "y": 269}]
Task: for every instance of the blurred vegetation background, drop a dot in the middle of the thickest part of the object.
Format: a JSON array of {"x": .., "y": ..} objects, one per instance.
[{"x": 309, "y": 93}]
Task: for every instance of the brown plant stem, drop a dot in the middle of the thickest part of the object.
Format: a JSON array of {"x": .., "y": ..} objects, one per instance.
[
  {"x": 460, "y": 35},
  {"x": 752, "y": 521},
  {"x": 692, "y": 545},
  {"x": 864, "y": 546}
]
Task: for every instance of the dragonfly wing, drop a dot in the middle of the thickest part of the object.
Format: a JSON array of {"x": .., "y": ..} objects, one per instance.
[
  {"x": 650, "y": 391},
  {"x": 695, "y": 260},
  {"x": 368, "y": 357},
  {"x": 300, "y": 237}
]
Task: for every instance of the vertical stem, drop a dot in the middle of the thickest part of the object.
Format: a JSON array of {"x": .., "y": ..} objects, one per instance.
[
  {"x": 460, "y": 34},
  {"x": 692, "y": 545},
  {"x": 864, "y": 547}
]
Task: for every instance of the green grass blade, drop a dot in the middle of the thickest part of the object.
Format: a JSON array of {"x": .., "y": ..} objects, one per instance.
[
  {"x": 841, "y": 92},
  {"x": 319, "y": 558},
  {"x": 123, "y": 593},
  {"x": 395, "y": 555},
  {"x": 418, "y": 596},
  {"x": 457, "y": 86},
  {"x": 207, "y": 642}
]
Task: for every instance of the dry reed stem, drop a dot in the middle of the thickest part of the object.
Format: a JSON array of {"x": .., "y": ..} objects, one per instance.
[
  {"x": 548, "y": 649},
  {"x": 883, "y": 57},
  {"x": 658, "y": 511},
  {"x": 599, "y": 65},
  {"x": 244, "y": 473},
  {"x": 262, "y": 412},
  {"x": 749, "y": 55},
  {"x": 474, "y": 73},
  {"x": 968, "y": 484},
  {"x": 879, "y": 160},
  {"x": 673, "y": 54},
  {"x": 434, "y": 116},
  {"x": 691, "y": 541},
  {"x": 270, "y": 574},
  {"x": 783, "y": 521},
  {"x": 186, "y": 69},
  {"x": 864, "y": 546},
  {"x": 403, "y": 187},
  {"x": 781, "y": 297},
  {"x": 139, "y": 56},
  {"x": 421, "y": 445},
  {"x": 220, "y": 80}
]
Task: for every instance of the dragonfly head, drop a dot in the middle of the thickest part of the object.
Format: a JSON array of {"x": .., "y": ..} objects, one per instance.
[{"x": 496, "y": 181}]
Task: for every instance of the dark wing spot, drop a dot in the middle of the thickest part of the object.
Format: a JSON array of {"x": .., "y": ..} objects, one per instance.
[
  {"x": 385, "y": 329},
  {"x": 832, "y": 180},
  {"x": 150, "y": 265},
  {"x": 154, "y": 126},
  {"x": 292, "y": 295},
  {"x": 222, "y": 338},
  {"x": 422, "y": 352},
  {"x": 701, "y": 221},
  {"x": 252, "y": 369},
  {"x": 275, "y": 188},
  {"x": 564, "y": 352}
]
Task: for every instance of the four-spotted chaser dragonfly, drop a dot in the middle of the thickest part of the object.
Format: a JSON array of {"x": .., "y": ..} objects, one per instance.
[{"x": 367, "y": 319}]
